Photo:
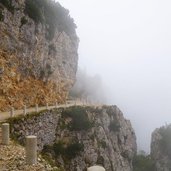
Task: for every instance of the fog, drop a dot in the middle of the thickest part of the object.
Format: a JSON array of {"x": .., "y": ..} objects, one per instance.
[
  {"x": 90, "y": 89},
  {"x": 128, "y": 44}
]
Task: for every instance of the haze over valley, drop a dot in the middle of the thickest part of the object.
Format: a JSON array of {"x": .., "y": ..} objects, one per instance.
[{"x": 128, "y": 44}]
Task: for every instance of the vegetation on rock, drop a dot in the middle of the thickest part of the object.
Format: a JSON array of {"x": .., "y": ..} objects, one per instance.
[
  {"x": 165, "y": 142},
  {"x": 143, "y": 163},
  {"x": 68, "y": 151},
  {"x": 52, "y": 14},
  {"x": 8, "y": 5},
  {"x": 80, "y": 120},
  {"x": 1, "y": 15},
  {"x": 114, "y": 126},
  {"x": 23, "y": 21}
]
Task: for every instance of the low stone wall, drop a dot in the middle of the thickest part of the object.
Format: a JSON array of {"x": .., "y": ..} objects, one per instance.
[{"x": 42, "y": 124}]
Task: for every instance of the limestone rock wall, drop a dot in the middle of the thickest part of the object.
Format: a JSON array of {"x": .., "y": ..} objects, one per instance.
[
  {"x": 109, "y": 141},
  {"x": 160, "y": 148},
  {"x": 31, "y": 62}
]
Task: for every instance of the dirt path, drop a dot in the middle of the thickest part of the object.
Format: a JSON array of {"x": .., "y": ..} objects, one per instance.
[{"x": 6, "y": 115}]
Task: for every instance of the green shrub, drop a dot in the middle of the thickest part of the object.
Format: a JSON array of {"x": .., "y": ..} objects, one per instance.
[
  {"x": 70, "y": 151},
  {"x": 80, "y": 120},
  {"x": 59, "y": 148},
  {"x": 100, "y": 161},
  {"x": 114, "y": 126},
  {"x": 23, "y": 21},
  {"x": 52, "y": 48},
  {"x": 8, "y": 5},
  {"x": 47, "y": 149},
  {"x": 143, "y": 163},
  {"x": 74, "y": 149},
  {"x": 1, "y": 16},
  {"x": 102, "y": 144}
]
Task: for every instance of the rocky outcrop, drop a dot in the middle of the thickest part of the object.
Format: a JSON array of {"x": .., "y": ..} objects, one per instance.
[
  {"x": 161, "y": 148},
  {"x": 38, "y": 52},
  {"x": 79, "y": 137}
]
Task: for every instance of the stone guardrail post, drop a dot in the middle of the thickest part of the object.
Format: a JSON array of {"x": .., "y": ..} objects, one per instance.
[
  {"x": 31, "y": 150},
  {"x": 37, "y": 108},
  {"x": 12, "y": 112},
  {"x": 24, "y": 110},
  {"x": 96, "y": 168},
  {"x": 47, "y": 106},
  {"x": 5, "y": 134}
]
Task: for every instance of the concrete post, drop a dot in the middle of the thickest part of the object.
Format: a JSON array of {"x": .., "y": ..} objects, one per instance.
[
  {"x": 12, "y": 112},
  {"x": 37, "y": 108},
  {"x": 31, "y": 150},
  {"x": 96, "y": 168},
  {"x": 47, "y": 106},
  {"x": 5, "y": 134},
  {"x": 24, "y": 110}
]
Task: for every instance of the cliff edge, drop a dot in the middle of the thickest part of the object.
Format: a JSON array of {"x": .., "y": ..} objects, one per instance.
[{"x": 78, "y": 137}]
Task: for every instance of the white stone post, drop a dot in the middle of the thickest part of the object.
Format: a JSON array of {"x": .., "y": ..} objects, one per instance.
[
  {"x": 37, "y": 108},
  {"x": 31, "y": 150},
  {"x": 96, "y": 168},
  {"x": 24, "y": 110},
  {"x": 47, "y": 106},
  {"x": 5, "y": 134},
  {"x": 12, "y": 112}
]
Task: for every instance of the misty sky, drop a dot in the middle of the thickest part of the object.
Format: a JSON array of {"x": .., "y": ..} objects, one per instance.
[{"x": 128, "y": 43}]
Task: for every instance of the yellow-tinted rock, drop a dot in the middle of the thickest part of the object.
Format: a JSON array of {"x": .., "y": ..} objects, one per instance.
[{"x": 35, "y": 69}]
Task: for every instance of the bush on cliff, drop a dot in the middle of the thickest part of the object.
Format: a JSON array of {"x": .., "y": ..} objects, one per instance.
[
  {"x": 143, "y": 163},
  {"x": 67, "y": 151},
  {"x": 80, "y": 120}
]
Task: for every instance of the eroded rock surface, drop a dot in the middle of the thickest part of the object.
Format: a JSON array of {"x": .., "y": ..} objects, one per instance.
[{"x": 36, "y": 66}]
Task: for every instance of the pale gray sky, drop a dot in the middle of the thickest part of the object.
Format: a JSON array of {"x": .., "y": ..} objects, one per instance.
[{"x": 128, "y": 42}]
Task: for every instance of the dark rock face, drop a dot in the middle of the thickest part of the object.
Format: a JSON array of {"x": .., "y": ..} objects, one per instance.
[
  {"x": 48, "y": 61},
  {"x": 82, "y": 137}
]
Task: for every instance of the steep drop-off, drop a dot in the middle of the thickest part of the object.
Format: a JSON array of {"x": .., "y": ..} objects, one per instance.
[
  {"x": 38, "y": 53},
  {"x": 78, "y": 137}
]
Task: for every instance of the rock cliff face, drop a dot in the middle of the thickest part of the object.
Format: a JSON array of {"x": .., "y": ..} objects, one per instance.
[
  {"x": 161, "y": 148},
  {"x": 38, "y": 52},
  {"x": 78, "y": 137}
]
